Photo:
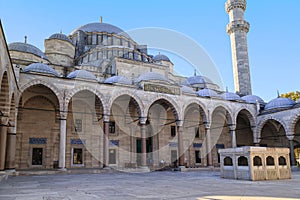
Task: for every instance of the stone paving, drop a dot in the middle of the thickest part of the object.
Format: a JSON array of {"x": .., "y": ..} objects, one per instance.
[{"x": 154, "y": 185}]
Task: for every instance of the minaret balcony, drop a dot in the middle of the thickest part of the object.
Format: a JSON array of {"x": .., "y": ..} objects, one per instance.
[{"x": 238, "y": 25}]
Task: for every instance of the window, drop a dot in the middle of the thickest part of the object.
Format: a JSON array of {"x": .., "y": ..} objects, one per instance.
[
  {"x": 257, "y": 161},
  {"x": 198, "y": 156},
  {"x": 270, "y": 161},
  {"x": 242, "y": 161},
  {"x": 197, "y": 135},
  {"x": 112, "y": 127},
  {"x": 173, "y": 131},
  {"x": 112, "y": 156},
  {"x": 282, "y": 161},
  {"x": 37, "y": 156},
  {"x": 228, "y": 161},
  {"x": 77, "y": 156},
  {"x": 78, "y": 125}
]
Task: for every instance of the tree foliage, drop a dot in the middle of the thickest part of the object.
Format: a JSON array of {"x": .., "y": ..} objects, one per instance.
[{"x": 292, "y": 95}]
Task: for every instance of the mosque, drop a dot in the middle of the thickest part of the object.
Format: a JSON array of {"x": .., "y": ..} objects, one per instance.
[{"x": 96, "y": 99}]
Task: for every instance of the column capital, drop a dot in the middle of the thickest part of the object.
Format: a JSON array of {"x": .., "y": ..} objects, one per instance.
[
  {"x": 63, "y": 115},
  {"x": 4, "y": 120},
  {"x": 232, "y": 127},
  {"x": 207, "y": 125},
  {"x": 179, "y": 122},
  {"x": 143, "y": 120},
  {"x": 106, "y": 118}
]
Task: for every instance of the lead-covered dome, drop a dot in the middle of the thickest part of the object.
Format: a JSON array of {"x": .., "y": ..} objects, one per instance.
[
  {"x": 207, "y": 93},
  {"x": 82, "y": 74},
  {"x": 27, "y": 48},
  {"x": 230, "y": 96},
  {"x": 280, "y": 103},
  {"x": 188, "y": 90},
  {"x": 100, "y": 27},
  {"x": 197, "y": 80},
  {"x": 60, "y": 36},
  {"x": 161, "y": 57},
  {"x": 40, "y": 68},
  {"x": 253, "y": 99},
  {"x": 150, "y": 76},
  {"x": 118, "y": 79}
]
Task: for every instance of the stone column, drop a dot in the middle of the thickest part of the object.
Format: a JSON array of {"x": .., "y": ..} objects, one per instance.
[
  {"x": 208, "y": 145},
  {"x": 232, "y": 129},
  {"x": 105, "y": 141},
  {"x": 292, "y": 153},
  {"x": 62, "y": 142},
  {"x": 144, "y": 137},
  {"x": 180, "y": 143},
  {"x": 11, "y": 147},
  {"x": 3, "y": 139}
]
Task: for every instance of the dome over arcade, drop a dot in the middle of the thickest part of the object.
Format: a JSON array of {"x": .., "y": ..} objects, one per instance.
[
  {"x": 188, "y": 90},
  {"x": 26, "y": 48},
  {"x": 82, "y": 74},
  {"x": 161, "y": 57},
  {"x": 193, "y": 80},
  {"x": 230, "y": 96},
  {"x": 118, "y": 79},
  {"x": 149, "y": 76},
  {"x": 207, "y": 93},
  {"x": 280, "y": 103},
  {"x": 40, "y": 68},
  {"x": 253, "y": 99},
  {"x": 100, "y": 27},
  {"x": 60, "y": 36}
]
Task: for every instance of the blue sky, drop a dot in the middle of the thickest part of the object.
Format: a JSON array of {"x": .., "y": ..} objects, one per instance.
[{"x": 273, "y": 40}]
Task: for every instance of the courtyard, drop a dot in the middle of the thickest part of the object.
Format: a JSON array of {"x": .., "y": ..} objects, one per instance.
[{"x": 155, "y": 185}]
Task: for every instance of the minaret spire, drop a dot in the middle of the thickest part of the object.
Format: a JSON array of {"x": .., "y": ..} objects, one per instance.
[{"x": 237, "y": 30}]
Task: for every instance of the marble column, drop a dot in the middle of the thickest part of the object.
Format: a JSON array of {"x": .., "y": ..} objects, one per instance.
[
  {"x": 3, "y": 139},
  {"x": 62, "y": 142},
  {"x": 11, "y": 147},
  {"x": 143, "y": 137},
  {"x": 232, "y": 129},
  {"x": 106, "y": 140},
  {"x": 208, "y": 145},
  {"x": 292, "y": 153},
  {"x": 180, "y": 143}
]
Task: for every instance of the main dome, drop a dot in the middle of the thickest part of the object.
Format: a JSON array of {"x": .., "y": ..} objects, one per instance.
[{"x": 100, "y": 27}]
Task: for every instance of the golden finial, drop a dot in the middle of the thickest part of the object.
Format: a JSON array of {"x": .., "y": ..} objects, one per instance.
[{"x": 100, "y": 19}]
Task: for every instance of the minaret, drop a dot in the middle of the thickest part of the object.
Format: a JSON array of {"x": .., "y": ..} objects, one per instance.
[{"x": 237, "y": 30}]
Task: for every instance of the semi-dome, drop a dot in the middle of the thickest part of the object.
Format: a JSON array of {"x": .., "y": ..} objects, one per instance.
[
  {"x": 60, "y": 36},
  {"x": 27, "y": 48},
  {"x": 161, "y": 57},
  {"x": 186, "y": 89},
  {"x": 82, "y": 74},
  {"x": 100, "y": 27},
  {"x": 230, "y": 96},
  {"x": 149, "y": 76},
  {"x": 207, "y": 93},
  {"x": 118, "y": 79},
  {"x": 280, "y": 103},
  {"x": 253, "y": 99},
  {"x": 40, "y": 68}
]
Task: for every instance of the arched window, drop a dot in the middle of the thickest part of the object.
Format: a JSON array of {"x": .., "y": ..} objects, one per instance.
[
  {"x": 270, "y": 161},
  {"x": 257, "y": 161},
  {"x": 282, "y": 161},
  {"x": 227, "y": 161},
  {"x": 242, "y": 161}
]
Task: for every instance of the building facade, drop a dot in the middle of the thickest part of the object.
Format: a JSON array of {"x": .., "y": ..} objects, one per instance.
[{"x": 97, "y": 99}]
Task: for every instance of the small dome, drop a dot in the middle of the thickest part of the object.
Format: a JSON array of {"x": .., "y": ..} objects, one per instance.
[
  {"x": 118, "y": 79},
  {"x": 186, "y": 89},
  {"x": 230, "y": 96},
  {"x": 280, "y": 103},
  {"x": 40, "y": 68},
  {"x": 253, "y": 99},
  {"x": 100, "y": 27},
  {"x": 149, "y": 76},
  {"x": 161, "y": 57},
  {"x": 27, "y": 48},
  {"x": 207, "y": 93},
  {"x": 82, "y": 74},
  {"x": 193, "y": 80},
  {"x": 60, "y": 36}
]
